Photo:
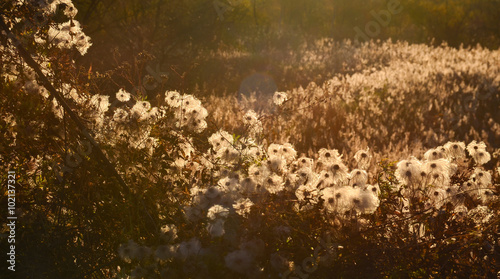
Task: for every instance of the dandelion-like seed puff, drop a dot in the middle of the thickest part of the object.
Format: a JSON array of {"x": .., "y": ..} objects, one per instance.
[
  {"x": 279, "y": 98},
  {"x": 122, "y": 96}
]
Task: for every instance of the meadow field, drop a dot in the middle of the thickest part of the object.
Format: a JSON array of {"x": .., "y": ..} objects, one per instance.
[{"x": 329, "y": 158}]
